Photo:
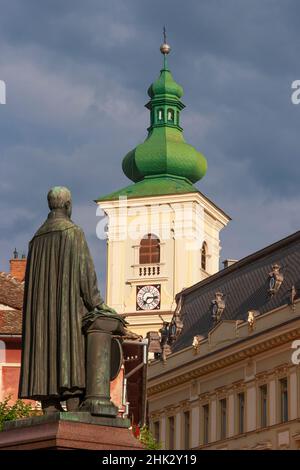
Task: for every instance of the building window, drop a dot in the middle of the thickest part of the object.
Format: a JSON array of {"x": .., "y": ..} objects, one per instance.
[
  {"x": 2, "y": 351},
  {"x": 156, "y": 431},
  {"x": 223, "y": 418},
  {"x": 160, "y": 115},
  {"x": 170, "y": 115},
  {"x": 177, "y": 118},
  {"x": 171, "y": 424},
  {"x": 263, "y": 393},
  {"x": 284, "y": 414},
  {"x": 241, "y": 412},
  {"x": 205, "y": 409},
  {"x": 204, "y": 256},
  {"x": 150, "y": 249},
  {"x": 186, "y": 417}
]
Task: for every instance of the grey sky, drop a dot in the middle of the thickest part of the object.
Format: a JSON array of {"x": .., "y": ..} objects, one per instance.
[{"x": 77, "y": 75}]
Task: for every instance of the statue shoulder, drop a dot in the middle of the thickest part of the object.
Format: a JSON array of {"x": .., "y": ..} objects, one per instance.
[
  {"x": 78, "y": 232},
  {"x": 56, "y": 225},
  {"x": 77, "y": 229}
]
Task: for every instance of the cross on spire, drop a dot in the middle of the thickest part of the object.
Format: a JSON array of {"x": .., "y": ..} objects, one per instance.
[{"x": 165, "y": 35}]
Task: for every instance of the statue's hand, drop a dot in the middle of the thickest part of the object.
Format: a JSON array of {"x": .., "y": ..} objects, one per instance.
[
  {"x": 107, "y": 309},
  {"x": 101, "y": 309}
]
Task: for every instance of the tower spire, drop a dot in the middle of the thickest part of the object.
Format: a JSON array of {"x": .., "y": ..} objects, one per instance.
[
  {"x": 164, "y": 152},
  {"x": 165, "y": 49}
]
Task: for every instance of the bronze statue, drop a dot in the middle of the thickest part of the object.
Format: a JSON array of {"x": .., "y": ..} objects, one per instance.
[{"x": 61, "y": 303}]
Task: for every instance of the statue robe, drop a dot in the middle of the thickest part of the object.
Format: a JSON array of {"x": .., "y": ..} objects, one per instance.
[{"x": 60, "y": 287}]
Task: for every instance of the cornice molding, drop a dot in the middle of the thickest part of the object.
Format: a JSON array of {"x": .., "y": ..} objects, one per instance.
[{"x": 228, "y": 360}]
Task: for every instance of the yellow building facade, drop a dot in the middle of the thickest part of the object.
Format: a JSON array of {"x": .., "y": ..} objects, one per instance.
[{"x": 235, "y": 383}]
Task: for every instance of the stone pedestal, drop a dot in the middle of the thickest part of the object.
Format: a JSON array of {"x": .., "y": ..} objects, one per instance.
[
  {"x": 67, "y": 431},
  {"x": 97, "y": 398}
]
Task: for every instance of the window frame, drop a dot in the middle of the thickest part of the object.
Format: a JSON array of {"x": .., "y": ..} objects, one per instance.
[
  {"x": 171, "y": 419},
  {"x": 149, "y": 253},
  {"x": 160, "y": 111},
  {"x": 223, "y": 423},
  {"x": 187, "y": 435},
  {"x": 172, "y": 112},
  {"x": 241, "y": 412},
  {"x": 283, "y": 402},
  {"x": 205, "y": 428},
  {"x": 263, "y": 416},
  {"x": 204, "y": 256},
  {"x": 156, "y": 430}
]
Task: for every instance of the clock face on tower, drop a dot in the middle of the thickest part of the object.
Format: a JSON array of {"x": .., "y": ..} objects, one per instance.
[{"x": 148, "y": 297}]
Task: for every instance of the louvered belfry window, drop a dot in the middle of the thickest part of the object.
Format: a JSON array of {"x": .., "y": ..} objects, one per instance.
[
  {"x": 204, "y": 256},
  {"x": 150, "y": 249}
]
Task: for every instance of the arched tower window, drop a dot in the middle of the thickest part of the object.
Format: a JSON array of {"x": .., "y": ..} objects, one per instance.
[
  {"x": 160, "y": 115},
  {"x": 170, "y": 115},
  {"x": 204, "y": 256},
  {"x": 150, "y": 249}
]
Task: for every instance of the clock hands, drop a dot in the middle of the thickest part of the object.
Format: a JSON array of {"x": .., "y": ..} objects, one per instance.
[{"x": 150, "y": 299}]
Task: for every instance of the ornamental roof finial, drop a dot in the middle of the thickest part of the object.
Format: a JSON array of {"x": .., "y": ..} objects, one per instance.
[{"x": 165, "y": 48}]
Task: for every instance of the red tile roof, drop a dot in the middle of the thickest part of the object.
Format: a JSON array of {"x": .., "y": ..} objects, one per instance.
[
  {"x": 10, "y": 322},
  {"x": 11, "y": 298},
  {"x": 11, "y": 291}
]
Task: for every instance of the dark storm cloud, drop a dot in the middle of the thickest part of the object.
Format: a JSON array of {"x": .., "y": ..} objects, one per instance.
[{"x": 77, "y": 74}]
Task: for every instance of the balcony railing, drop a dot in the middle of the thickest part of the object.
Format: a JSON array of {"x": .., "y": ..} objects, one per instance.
[{"x": 149, "y": 270}]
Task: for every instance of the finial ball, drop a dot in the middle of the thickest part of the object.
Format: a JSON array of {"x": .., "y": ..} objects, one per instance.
[{"x": 165, "y": 48}]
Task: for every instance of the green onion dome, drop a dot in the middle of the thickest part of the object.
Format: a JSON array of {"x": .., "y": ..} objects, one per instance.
[
  {"x": 164, "y": 152},
  {"x": 165, "y": 85}
]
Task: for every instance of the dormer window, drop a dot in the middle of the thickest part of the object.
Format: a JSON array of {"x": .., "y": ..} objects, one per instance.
[{"x": 170, "y": 115}]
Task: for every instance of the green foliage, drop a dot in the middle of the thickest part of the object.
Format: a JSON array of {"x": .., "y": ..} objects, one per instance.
[
  {"x": 147, "y": 439},
  {"x": 17, "y": 410}
]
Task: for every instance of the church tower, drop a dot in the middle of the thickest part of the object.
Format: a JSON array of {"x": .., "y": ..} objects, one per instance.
[{"x": 163, "y": 234}]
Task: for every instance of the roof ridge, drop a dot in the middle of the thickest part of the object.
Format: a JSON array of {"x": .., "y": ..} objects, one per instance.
[{"x": 10, "y": 277}]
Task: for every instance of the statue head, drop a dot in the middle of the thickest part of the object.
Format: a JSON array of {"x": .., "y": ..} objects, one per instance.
[{"x": 60, "y": 197}]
